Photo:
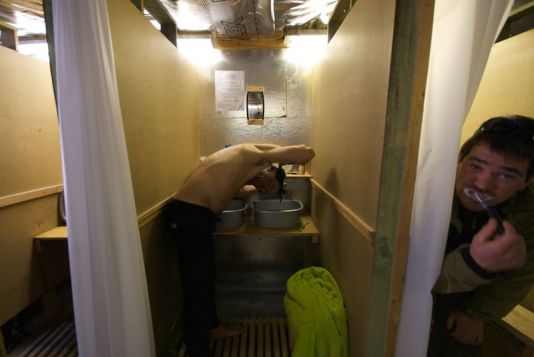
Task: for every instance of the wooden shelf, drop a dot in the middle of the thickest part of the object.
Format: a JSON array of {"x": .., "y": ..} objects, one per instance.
[
  {"x": 55, "y": 234},
  {"x": 304, "y": 175},
  {"x": 58, "y": 233},
  {"x": 306, "y": 228},
  {"x": 520, "y": 321}
]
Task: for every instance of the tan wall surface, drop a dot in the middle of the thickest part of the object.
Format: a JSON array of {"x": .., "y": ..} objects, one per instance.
[
  {"x": 348, "y": 119},
  {"x": 348, "y": 257},
  {"x": 29, "y": 149},
  {"x": 21, "y": 281},
  {"x": 29, "y": 160},
  {"x": 158, "y": 92},
  {"x": 349, "y": 107},
  {"x": 507, "y": 86}
]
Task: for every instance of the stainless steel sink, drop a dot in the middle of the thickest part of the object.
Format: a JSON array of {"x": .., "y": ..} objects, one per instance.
[
  {"x": 232, "y": 215},
  {"x": 277, "y": 214}
]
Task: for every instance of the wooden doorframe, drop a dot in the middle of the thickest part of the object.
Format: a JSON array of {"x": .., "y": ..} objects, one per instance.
[{"x": 408, "y": 73}]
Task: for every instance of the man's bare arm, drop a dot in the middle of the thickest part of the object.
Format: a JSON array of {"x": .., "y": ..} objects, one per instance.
[{"x": 292, "y": 154}]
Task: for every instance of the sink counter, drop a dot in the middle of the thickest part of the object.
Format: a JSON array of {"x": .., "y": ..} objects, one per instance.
[{"x": 306, "y": 228}]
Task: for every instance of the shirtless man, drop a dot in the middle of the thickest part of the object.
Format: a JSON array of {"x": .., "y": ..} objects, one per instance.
[{"x": 237, "y": 170}]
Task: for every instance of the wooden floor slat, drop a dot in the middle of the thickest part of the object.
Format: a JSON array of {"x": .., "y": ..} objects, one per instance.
[{"x": 260, "y": 337}]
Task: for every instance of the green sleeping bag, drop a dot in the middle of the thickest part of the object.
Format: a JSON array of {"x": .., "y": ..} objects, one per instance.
[{"x": 316, "y": 314}]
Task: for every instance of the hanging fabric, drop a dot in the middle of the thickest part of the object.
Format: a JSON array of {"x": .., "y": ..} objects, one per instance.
[
  {"x": 111, "y": 304},
  {"x": 462, "y": 36}
]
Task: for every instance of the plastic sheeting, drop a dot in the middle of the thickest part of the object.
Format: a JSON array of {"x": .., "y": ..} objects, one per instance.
[
  {"x": 243, "y": 20},
  {"x": 463, "y": 33},
  {"x": 111, "y": 303}
]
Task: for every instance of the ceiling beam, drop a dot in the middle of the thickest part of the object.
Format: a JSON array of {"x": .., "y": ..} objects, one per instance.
[{"x": 161, "y": 15}]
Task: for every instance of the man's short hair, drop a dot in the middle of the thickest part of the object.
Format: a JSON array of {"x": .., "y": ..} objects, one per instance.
[{"x": 510, "y": 136}]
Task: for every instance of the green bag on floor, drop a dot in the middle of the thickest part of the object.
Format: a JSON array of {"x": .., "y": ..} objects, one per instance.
[{"x": 316, "y": 314}]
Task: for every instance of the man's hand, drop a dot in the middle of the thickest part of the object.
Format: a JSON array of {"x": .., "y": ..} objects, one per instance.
[
  {"x": 465, "y": 329},
  {"x": 495, "y": 252}
]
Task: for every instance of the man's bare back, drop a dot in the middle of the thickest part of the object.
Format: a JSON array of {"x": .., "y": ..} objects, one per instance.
[{"x": 217, "y": 179}]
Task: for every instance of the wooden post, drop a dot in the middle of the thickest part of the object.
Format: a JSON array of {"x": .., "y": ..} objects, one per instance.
[
  {"x": 169, "y": 30},
  {"x": 409, "y": 64},
  {"x": 8, "y": 36},
  {"x": 138, "y": 4}
]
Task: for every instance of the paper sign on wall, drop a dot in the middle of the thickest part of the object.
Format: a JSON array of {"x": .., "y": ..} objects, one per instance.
[{"x": 229, "y": 91}]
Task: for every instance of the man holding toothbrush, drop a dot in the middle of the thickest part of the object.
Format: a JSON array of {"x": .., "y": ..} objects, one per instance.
[{"x": 485, "y": 273}]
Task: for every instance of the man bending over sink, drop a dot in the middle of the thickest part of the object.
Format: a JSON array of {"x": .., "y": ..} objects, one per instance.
[{"x": 238, "y": 170}]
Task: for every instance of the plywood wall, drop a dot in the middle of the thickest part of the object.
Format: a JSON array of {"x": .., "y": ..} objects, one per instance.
[
  {"x": 30, "y": 153},
  {"x": 349, "y": 107},
  {"x": 29, "y": 160},
  {"x": 507, "y": 86},
  {"x": 159, "y": 94},
  {"x": 348, "y": 119}
]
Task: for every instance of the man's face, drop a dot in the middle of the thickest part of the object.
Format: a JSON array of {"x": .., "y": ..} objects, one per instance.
[
  {"x": 265, "y": 182},
  {"x": 493, "y": 174}
]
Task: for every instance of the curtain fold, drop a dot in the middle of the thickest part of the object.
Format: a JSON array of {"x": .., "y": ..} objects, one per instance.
[
  {"x": 462, "y": 37},
  {"x": 111, "y": 304}
]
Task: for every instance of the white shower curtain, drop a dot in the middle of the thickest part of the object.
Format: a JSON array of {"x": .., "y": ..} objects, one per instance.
[
  {"x": 463, "y": 33},
  {"x": 110, "y": 295}
]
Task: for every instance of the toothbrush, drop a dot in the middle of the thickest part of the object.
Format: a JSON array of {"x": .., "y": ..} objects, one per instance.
[{"x": 483, "y": 200}]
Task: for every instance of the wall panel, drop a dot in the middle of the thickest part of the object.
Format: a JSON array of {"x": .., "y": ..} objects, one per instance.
[
  {"x": 349, "y": 102},
  {"x": 21, "y": 281},
  {"x": 159, "y": 93},
  {"x": 507, "y": 86},
  {"x": 29, "y": 160},
  {"x": 349, "y": 107},
  {"x": 29, "y": 149}
]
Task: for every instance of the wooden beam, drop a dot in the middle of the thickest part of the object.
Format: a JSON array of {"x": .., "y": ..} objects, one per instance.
[
  {"x": 161, "y": 14},
  {"x": 238, "y": 44},
  {"x": 341, "y": 11},
  {"x": 169, "y": 30},
  {"x": 356, "y": 222},
  {"x": 29, "y": 195},
  {"x": 521, "y": 19},
  {"x": 8, "y": 36},
  {"x": 33, "y": 7},
  {"x": 409, "y": 63},
  {"x": 139, "y": 4},
  {"x": 49, "y": 24}
]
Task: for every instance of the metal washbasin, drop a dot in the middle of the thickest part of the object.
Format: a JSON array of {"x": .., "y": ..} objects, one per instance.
[
  {"x": 277, "y": 214},
  {"x": 232, "y": 215}
]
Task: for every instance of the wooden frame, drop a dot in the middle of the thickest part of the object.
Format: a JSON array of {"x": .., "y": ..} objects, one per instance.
[{"x": 409, "y": 66}]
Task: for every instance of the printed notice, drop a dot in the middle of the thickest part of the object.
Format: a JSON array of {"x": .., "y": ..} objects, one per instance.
[{"x": 229, "y": 91}]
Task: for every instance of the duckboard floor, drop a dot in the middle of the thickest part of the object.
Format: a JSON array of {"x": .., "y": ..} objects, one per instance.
[{"x": 260, "y": 337}]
